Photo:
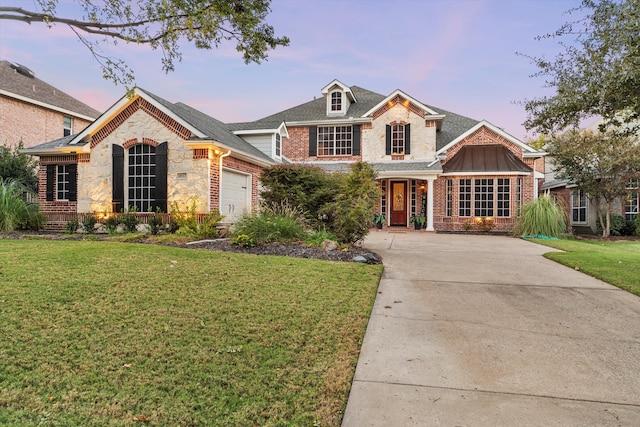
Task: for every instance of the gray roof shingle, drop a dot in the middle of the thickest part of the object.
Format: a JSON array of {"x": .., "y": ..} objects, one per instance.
[{"x": 33, "y": 88}]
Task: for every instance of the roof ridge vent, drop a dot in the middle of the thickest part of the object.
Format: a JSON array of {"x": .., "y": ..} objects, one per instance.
[{"x": 25, "y": 71}]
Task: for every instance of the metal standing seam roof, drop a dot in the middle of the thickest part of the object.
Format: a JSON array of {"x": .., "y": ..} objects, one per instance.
[
  {"x": 13, "y": 82},
  {"x": 485, "y": 158}
]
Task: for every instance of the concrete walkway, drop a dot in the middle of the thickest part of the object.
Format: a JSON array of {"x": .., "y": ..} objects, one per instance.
[{"x": 483, "y": 331}]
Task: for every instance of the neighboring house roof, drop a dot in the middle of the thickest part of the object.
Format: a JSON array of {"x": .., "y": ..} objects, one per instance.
[
  {"x": 556, "y": 183},
  {"x": 18, "y": 82},
  {"x": 485, "y": 158}
]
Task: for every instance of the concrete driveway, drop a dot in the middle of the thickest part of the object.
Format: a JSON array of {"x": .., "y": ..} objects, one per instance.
[{"x": 483, "y": 331}]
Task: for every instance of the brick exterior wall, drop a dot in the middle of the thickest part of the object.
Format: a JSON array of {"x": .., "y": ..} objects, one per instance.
[
  {"x": 56, "y": 211},
  {"x": 296, "y": 147},
  {"x": 32, "y": 124}
]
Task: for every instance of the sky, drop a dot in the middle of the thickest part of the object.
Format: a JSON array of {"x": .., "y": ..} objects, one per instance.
[{"x": 458, "y": 55}]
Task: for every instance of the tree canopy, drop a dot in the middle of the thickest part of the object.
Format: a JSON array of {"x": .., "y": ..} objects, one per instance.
[
  {"x": 600, "y": 164},
  {"x": 597, "y": 74},
  {"x": 17, "y": 166},
  {"x": 161, "y": 24}
]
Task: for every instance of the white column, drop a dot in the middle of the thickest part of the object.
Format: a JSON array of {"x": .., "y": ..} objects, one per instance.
[{"x": 430, "y": 203}]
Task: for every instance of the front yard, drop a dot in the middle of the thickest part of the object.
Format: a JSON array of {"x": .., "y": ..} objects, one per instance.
[
  {"x": 107, "y": 333},
  {"x": 615, "y": 262}
]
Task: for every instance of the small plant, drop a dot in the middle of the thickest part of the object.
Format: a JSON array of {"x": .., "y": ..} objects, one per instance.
[
  {"x": 155, "y": 222},
  {"x": 111, "y": 223},
  {"x": 319, "y": 237},
  {"x": 71, "y": 227},
  {"x": 129, "y": 219},
  {"x": 467, "y": 225},
  {"x": 89, "y": 222},
  {"x": 485, "y": 224},
  {"x": 243, "y": 241},
  {"x": 418, "y": 221},
  {"x": 185, "y": 221},
  {"x": 379, "y": 219}
]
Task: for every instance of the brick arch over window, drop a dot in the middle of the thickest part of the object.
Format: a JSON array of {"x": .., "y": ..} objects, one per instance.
[{"x": 150, "y": 177}]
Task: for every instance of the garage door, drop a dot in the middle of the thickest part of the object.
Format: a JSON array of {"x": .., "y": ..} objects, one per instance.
[{"x": 234, "y": 196}]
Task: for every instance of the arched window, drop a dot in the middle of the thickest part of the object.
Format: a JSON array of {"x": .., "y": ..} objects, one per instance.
[{"x": 336, "y": 101}]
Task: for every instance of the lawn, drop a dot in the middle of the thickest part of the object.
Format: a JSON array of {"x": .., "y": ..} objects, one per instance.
[
  {"x": 615, "y": 262},
  {"x": 108, "y": 333}
]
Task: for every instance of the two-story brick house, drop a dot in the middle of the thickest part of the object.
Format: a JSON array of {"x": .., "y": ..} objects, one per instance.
[
  {"x": 449, "y": 168},
  {"x": 33, "y": 111}
]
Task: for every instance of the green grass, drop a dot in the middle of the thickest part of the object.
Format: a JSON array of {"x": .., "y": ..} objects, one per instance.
[
  {"x": 109, "y": 333},
  {"x": 615, "y": 262}
]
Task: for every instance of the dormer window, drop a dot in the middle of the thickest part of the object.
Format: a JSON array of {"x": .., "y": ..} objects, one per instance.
[{"x": 336, "y": 102}]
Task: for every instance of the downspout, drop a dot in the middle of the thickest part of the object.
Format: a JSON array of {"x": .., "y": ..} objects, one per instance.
[{"x": 222, "y": 156}]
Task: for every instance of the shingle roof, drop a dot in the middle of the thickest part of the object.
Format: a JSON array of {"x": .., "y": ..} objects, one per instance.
[
  {"x": 384, "y": 166},
  {"x": 453, "y": 125},
  {"x": 207, "y": 125},
  {"x": 13, "y": 82},
  {"x": 52, "y": 145}
]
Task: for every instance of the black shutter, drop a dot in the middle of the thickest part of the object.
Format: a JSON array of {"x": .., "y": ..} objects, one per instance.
[
  {"x": 51, "y": 175},
  {"x": 117, "y": 188},
  {"x": 313, "y": 140},
  {"x": 160, "y": 191},
  {"x": 356, "y": 140},
  {"x": 407, "y": 139},
  {"x": 388, "y": 141},
  {"x": 73, "y": 182}
]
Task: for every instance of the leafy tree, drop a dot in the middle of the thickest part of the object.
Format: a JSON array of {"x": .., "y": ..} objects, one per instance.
[
  {"x": 600, "y": 164},
  {"x": 598, "y": 74},
  {"x": 160, "y": 24},
  {"x": 17, "y": 166}
]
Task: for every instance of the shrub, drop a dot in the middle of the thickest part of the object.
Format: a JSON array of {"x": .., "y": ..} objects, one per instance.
[
  {"x": 349, "y": 215},
  {"x": 185, "y": 221},
  {"x": 155, "y": 222},
  {"x": 15, "y": 212},
  {"x": 618, "y": 225},
  {"x": 71, "y": 227},
  {"x": 89, "y": 222},
  {"x": 129, "y": 219},
  {"x": 243, "y": 241},
  {"x": 277, "y": 222},
  {"x": 112, "y": 223},
  {"x": 307, "y": 187},
  {"x": 542, "y": 216}
]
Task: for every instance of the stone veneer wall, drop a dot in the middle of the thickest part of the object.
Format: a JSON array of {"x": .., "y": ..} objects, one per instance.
[{"x": 186, "y": 176}]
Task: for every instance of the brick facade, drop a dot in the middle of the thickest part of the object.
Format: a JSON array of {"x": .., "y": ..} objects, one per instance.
[
  {"x": 32, "y": 124},
  {"x": 296, "y": 148}
]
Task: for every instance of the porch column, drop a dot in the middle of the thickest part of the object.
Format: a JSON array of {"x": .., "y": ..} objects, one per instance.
[{"x": 430, "y": 180}]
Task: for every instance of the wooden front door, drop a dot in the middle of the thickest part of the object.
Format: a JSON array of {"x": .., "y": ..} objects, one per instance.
[{"x": 398, "y": 203}]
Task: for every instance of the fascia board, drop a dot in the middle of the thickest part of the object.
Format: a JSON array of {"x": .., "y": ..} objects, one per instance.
[
  {"x": 324, "y": 122},
  {"x": 45, "y": 105},
  {"x": 210, "y": 143}
]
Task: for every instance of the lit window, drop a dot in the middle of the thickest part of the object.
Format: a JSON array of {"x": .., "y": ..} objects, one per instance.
[
  {"x": 62, "y": 182},
  {"x": 335, "y": 140},
  {"x": 142, "y": 176},
  {"x": 68, "y": 126}
]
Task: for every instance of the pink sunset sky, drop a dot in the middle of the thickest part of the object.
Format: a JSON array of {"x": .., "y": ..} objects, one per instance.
[{"x": 458, "y": 55}]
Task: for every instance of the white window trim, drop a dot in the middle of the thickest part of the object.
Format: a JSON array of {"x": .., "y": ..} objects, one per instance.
[
  {"x": 65, "y": 191},
  {"x": 343, "y": 103},
  {"x": 586, "y": 207}
]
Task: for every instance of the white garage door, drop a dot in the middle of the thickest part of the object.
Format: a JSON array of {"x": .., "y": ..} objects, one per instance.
[{"x": 234, "y": 196}]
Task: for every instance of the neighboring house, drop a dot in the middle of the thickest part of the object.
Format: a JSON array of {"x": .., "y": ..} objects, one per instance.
[
  {"x": 581, "y": 210},
  {"x": 450, "y": 168},
  {"x": 147, "y": 152},
  {"x": 33, "y": 111}
]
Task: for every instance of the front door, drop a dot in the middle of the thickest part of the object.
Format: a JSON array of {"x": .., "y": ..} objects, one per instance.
[{"x": 398, "y": 203}]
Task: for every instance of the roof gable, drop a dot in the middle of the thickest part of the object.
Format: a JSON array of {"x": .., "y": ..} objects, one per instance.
[{"x": 399, "y": 97}]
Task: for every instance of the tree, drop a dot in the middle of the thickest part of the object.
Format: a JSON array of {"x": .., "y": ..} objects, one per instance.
[
  {"x": 18, "y": 166},
  {"x": 600, "y": 164},
  {"x": 598, "y": 74},
  {"x": 160, "y": 24}
]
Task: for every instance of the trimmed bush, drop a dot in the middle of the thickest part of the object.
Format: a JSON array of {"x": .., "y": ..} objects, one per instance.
[
  {"x": 542, "y": 216},
  {"x": 618, "y": 226}
]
